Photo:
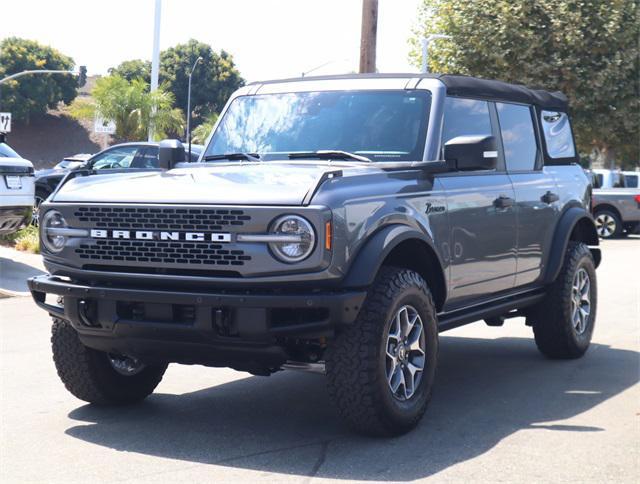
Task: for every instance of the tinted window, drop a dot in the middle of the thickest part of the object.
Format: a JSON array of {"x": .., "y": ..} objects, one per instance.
[
  {"x": 6, "y": 151},
  {"x": 114, "y": 158},
  {"x": 382, "y": 125},
  {"x": 557, "y": 134},
  {"x": 631, "y": 181},
  {"x": 465, "y": 117},
  {"x": 518, "y": 136},
  {"x": 146, "y": 158}
]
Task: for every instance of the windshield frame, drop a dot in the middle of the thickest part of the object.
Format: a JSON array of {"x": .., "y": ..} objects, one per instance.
[{"x": 402, "y": 82}]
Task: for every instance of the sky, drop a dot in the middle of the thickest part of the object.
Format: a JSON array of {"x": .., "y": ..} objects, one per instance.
[{"x": 268, "y": 39}]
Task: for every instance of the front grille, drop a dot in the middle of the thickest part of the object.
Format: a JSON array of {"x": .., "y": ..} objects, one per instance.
[
  {"x": 162, "y": 218},
  {"x": 192, "y": 253}
]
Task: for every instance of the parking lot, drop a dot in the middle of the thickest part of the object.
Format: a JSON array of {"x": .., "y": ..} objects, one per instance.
[{"x": 501, "y": 412}]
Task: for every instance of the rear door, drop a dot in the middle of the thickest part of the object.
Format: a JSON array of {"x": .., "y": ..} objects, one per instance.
[
  {"x": 482, "y": 245},
  {"x": 536, "y": 193}
]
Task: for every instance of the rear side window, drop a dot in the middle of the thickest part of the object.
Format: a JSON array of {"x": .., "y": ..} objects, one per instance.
[
  {"x": 518, "y": 136},
  {"x": 556, "y": 129},
  {"x": 464, "y": 117}
]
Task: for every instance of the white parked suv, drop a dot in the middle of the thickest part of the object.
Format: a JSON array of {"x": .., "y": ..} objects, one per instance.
[{"x": 17, "y": 190}]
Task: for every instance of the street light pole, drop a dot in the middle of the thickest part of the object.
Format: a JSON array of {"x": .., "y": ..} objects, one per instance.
[
  {"x": 425, "y": 48},
  {"x": 155, "y": 59},
  {"x": 198, "y": 60},
  {"x": 37, "y": 71}
]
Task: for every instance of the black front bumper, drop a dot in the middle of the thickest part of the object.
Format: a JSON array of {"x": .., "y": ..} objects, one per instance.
[{"x": 219, "y": 329}]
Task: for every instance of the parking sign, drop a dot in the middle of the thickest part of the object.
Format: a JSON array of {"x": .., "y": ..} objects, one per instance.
[{"x": 5, "y": 122}]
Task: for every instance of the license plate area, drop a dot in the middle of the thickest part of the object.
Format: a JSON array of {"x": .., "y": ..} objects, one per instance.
[{"x": 14, "y": 182}]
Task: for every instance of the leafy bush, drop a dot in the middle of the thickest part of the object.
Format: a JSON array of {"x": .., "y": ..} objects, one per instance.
[{"x": 26, "y": 239}]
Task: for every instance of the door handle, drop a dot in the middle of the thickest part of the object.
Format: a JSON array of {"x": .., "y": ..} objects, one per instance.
[
  {"x": 550, "y": 197},
  {"x": 503, "y": 202}
]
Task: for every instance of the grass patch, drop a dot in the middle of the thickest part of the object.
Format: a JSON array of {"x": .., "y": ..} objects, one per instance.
[{"x": 26, "y": 239}]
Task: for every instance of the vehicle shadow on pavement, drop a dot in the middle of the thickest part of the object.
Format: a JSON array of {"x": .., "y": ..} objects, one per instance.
[
  {"x": 486, "y": 390},
  {"x": 14, "y": 275}
]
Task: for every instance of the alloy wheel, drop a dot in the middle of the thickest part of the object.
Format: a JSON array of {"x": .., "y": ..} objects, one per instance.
[
  {"x": 605, "y": 225},
  {"x": 405, "y": 353},
  {"x": 580, "y": 301}
]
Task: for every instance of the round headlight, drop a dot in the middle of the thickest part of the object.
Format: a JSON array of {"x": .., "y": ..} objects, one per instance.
[
  {"x": 52, "y": 241},
  {"x": 298, "y": 238}
]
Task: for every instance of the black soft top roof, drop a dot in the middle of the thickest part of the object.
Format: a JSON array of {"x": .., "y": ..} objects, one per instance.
[
  {"x": 458, "y": 85},
  {"x": 485, "y": 88}
]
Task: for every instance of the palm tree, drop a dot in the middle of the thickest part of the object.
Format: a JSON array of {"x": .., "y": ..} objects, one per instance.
[
  {"x": 132, "y": 107},
  {"x": 201, "y": 133}
]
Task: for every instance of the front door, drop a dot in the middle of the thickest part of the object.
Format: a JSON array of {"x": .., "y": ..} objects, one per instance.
[{"x": 481, "y": 208}]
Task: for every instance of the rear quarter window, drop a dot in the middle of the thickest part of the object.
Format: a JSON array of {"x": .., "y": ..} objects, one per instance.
[{"x": 556, "y": 130}]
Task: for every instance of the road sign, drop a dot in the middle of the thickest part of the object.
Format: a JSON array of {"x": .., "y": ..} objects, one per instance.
[
  {"x": 105, "y": 126},
  {"x": 5, "y": 122}
]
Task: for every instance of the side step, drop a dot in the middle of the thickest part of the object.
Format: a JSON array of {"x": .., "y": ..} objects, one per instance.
[{"x": 489, "y": 310}]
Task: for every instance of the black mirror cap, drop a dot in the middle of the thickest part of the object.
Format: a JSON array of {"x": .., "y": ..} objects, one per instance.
[
  {"x": 170, "y": 152},
  {"x": 472, "y": 152}
]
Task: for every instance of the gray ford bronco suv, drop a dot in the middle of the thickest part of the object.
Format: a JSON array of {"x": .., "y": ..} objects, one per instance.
[{"x": 335, "y": 224}]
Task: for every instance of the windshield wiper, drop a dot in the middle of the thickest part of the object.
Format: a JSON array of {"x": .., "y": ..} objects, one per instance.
[
  {"x": 234, "y": 156},
  {"x": 328, "y": 155}
]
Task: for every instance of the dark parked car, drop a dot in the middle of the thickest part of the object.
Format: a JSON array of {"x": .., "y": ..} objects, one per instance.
[
  {"x": 140, "y": 155},
  {"x": 345, "y": 223}
]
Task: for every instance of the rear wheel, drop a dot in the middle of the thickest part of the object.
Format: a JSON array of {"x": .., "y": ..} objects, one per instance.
[
  {"x": 381, "y": 369},
  {"x": 563, "y": 322},
  {"x": 608, "y": 224},
  {"x": 97, "y": 377}
]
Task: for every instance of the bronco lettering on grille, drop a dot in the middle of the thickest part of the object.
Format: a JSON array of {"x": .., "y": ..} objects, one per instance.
[{"x": 159, "y": 235}]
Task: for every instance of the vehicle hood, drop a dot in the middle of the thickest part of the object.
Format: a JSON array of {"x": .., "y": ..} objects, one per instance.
[
  {"x": 14, "y": 162},
  {"x": 49, "y": 171},
  {"x": 269, "y": 183}
]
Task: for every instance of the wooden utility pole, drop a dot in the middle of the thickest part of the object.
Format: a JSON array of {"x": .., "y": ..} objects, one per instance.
[{"x": 368, "y": 36}]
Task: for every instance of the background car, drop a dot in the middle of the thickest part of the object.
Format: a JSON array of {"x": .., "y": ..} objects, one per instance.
[
  {"x": 616, "y": 211},
  {"x": 139, "y": 155},
  {"x": 16, "y": 190}
]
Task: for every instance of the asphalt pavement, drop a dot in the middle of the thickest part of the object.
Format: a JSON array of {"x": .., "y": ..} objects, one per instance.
[{"x": 501, "y": 412}]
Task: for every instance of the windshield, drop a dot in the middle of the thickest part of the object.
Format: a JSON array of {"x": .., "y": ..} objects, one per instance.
[
  {"x": 6, "y": 151},
  {"x": 381, "y": 125}
]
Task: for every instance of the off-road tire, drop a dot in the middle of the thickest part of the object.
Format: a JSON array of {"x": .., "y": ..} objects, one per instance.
[
  {"x": 551, "y": 319},
  {"x": 89, "y": 375},
  {"x": 355, "y": 359},
  {"x": 609, "y": 215}
]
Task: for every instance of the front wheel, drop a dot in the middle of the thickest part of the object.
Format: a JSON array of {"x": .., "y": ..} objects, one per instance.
[
  {"x": 97, "y": 377},
  {"x": 381, "y": 369}
]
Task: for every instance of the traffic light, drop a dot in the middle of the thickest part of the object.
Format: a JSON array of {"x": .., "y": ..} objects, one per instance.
[{"x": 82, "y": 76}]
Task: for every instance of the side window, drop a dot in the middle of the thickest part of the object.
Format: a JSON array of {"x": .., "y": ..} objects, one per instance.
[
  {"x": 557, "y": 134},
  {"x": 465, "y": 117},
  {"x": 115, "y": 158},
  {"x": 147, "y": 158},
  {"x": 518, "y": 136}
]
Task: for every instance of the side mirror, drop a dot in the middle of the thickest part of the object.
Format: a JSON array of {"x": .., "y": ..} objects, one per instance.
[
  {"x": 471, "y": 152},
  {"x": 170, "y": 152}
]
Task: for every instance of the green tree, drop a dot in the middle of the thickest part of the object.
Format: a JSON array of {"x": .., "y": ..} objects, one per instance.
[
  {"x": 133, "y": 69},
  {"x": 214, "y": 79},
  {"x": 588, "y": 50},
  {"x": 32, "y": 95},
  {"x": 132, "y": 107},
  {"x": 201, "y": 133}
]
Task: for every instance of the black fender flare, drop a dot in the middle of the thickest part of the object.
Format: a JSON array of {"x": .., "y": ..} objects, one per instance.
[
  {"x": 369, "y": 259},
  {"x": 569, "y": 220}
]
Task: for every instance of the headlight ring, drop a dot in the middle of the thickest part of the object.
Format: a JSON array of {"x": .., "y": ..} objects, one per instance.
[
  {"x": 303, "y": 238},
  {"x": 52, "y": 241}
]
